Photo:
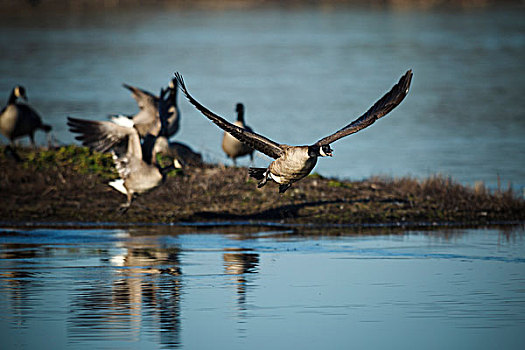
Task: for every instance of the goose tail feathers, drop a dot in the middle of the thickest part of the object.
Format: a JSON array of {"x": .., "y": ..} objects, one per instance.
[
  {"x": 46, "y": 127},
  {"x": 257, "y": 173}
]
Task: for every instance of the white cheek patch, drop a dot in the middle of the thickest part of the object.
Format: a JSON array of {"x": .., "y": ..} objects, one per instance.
[{"x": 321, "y": 151}]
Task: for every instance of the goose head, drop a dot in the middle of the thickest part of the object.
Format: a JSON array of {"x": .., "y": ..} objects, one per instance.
[{"x": 320, "y": 151}]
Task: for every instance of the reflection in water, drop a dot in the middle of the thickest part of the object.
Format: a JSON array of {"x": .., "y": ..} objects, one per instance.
[
  {"x": 137, "y": 291},
  {"x": 239, "y": 264},
  {"x": 121, "y": 311},
  {"x": 135, "y": 286},
  {"x": 18, "y": 282},
  {"x": 126, "y": 289}
]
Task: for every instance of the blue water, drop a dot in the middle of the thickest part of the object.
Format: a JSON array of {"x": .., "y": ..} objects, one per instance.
[
  {"x": 261, "y": 288},
  {"x": 302, "y": 74}
]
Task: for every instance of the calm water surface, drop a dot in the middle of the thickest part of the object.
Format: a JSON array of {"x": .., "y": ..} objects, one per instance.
[
  {"x": 253, "y": 288},
  {"x": 301, "y": 74}
]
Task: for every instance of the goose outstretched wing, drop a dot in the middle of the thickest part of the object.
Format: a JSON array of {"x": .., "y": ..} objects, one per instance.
[
  {"x": 384, "y": 105},
  {"x": 252, "y": 139},
  {"x": 103, "y": 136},
  {"x": 144, "y": 98}
]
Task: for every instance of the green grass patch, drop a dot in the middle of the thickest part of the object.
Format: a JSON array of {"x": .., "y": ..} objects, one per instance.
[{"x": 81, "y": 159}]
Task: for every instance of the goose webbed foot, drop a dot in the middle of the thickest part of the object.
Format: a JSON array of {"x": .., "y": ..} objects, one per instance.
[
  {"x": 263, "y": 182},
  {"x": 284, "y": 187},
  {"x": 259, "y": 174},
  {"x": 123, "y": 208}
]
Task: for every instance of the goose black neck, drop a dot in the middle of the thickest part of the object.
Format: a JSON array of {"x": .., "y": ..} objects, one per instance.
[
  {"x": 240, "y": 112},
  {"x": 12, "y": 98}
]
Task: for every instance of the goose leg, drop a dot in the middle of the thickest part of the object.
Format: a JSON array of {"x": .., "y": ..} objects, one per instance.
[
  {"x": 284, "y": 187},
  {"x": 10, "y": 152},
  {"x": 32, "y": 138},
  {"x": 125, "y": 206},
  {"x": 264, "y": 179},
  {"x": 49, "y": 138}
]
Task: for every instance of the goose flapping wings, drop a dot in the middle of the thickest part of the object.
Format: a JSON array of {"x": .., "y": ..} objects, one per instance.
[
  {"x": 104, "y": 136},
  {"x": 272, "y": 149},
  {"x": 381, "y": 108},
  {"x": 142, "y": 97},
  {"x": 150, "y": 106}
]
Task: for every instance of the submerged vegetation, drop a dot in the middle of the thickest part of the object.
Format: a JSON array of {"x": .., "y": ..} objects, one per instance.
[{"x": 69, "y": 184}]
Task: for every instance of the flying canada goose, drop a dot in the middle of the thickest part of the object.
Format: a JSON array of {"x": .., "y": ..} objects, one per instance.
[
  {"x": 292, "y": 163},
  {"x": 233, "y": 147},
  {"x": 135, "y": 162},
  {"x": 19, "y": 119},
  {"x": 147, "y": 120}
]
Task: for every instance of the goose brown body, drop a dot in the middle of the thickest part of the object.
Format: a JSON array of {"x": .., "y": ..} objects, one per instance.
[
  {"x": 19, "y": 119},
  {"x": 233, "y": 147},
  {"x": 295, "y": 164},
  {"x": 134, "y": 160}
]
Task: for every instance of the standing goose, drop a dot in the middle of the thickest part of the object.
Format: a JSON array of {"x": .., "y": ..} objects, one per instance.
[
  {"x": 135, "y": 162},
  {"x": 292, "y": 163},
  {"x": 233, "y": 147},
  {"x": 181, "y": 154},
  {"x": 19, "y": 119},
  {"x": 147, "y": 120}
]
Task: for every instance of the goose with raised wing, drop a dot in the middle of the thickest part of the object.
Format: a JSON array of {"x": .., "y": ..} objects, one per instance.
[
  {"x": 292, "y": 163},
  {"x": 147, "y": 120},
  {"x": 135, "y": 161}
]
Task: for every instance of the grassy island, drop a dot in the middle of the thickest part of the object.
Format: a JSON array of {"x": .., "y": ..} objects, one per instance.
[{"x": 69, "y": 184}]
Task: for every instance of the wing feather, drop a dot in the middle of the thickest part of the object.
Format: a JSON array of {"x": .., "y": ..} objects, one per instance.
[
  {"x": 103, "y": 136},
  {"x": 382, "y": 107},
  {"x": 143, "y": 98},
  {"x": 252, "y": 139}
]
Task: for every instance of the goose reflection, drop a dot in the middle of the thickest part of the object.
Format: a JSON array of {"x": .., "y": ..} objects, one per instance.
[
  {"x": 145, "y": 293},
  {"x": 18, "y": 281},
  {"x": 239, "y": 263}
]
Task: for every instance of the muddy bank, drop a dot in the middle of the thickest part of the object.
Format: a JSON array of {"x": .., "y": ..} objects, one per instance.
[
  {"x": 37, "y": 8},
  {"x": 69, "y": 184}
]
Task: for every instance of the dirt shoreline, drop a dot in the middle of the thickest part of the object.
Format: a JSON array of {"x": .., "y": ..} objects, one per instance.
[{"x": 68, "y": 186}]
